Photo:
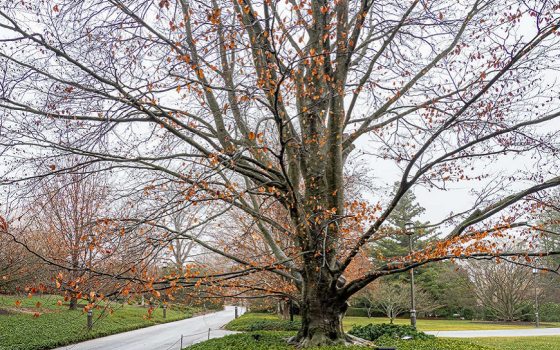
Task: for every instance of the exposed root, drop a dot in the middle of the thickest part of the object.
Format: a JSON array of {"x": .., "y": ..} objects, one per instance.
[
  {"x": 320, "y": 339},
  {"x": 353, "y": 340}
]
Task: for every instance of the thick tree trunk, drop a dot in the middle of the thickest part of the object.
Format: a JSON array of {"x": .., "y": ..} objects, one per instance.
[
  {"x": 322, "y": 310},
  {"x": 321, "y": 320}
]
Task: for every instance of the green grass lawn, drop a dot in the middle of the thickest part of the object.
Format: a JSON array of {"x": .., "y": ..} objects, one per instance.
[
  {"x": 423, "y": 325},
  {"x": 441, "y": 325},
  {"x": 57, "y": 326},
  {"x": 520, "y": 343}
]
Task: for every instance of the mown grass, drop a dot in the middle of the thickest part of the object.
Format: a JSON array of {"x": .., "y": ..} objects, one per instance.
[
  {"x": 261, "y": 321},
  {"x": 57, "y": 326},
  {"x": 442, "y": 325},
  {"x": 520, "y": 343}
]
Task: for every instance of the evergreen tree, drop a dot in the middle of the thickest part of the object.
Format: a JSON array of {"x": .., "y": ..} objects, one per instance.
[{"x": 397, "y": 244}]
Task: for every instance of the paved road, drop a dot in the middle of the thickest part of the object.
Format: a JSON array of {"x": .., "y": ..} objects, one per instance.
[
  {"x": 525, "y": 332},
  {"x": 163, "y": 337}
]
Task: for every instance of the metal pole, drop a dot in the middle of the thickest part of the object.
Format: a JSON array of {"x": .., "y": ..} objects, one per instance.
[
  {"x": 537, "y": 318},
  {"x": 208, "y": 333},
  {"x": 412, "y": 293},
  {"x": 90, "y": 319},
  {"x": 236, "y": 312},
  {"x": 181, "y": 342},
  {"x": 164, "y": 311}
]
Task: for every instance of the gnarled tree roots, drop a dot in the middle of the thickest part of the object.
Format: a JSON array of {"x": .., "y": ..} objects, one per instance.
[{"x": 322, "y": 339}]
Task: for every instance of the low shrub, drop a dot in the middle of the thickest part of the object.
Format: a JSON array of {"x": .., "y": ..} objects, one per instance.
[
  {"x": 357, "y": 312},
  {"x": 261, "y": 306},
  {"x": 186, "y": 309},
  {"x": 374, "y": 331},
  {"x": 263, "y": 310},
  {"x": 261, "y": 322}
]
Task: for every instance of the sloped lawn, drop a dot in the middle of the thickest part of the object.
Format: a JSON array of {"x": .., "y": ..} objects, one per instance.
[{"x": 21, "y": 329}]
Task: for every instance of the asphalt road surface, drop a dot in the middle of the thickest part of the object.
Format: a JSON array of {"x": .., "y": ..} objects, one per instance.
[
  {"x": 528, "y": 332},
  {"x": 166, "y": 336}
]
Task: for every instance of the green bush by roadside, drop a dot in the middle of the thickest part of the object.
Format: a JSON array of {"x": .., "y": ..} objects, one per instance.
[
  {"x": 262, "y": 322},
  {"x": 375, "y": 331}
]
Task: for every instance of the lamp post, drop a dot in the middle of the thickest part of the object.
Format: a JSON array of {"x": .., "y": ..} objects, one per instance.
[
  {"x": 409, "y": 230},
  {"x": 537, "y": 319}
]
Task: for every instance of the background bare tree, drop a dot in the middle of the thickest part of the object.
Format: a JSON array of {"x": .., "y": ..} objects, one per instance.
[
  {"x": 393, "y": 299},
  {"x": 67, "y": 210},
  {"x": 505, "y": 289},
  {"x": 366, "y": 298},
  {"x": 17, "y": 267}
]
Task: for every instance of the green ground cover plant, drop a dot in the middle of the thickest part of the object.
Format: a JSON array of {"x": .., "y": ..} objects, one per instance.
[
  {"x": 274, "y": 332},
  {"x": 520, "y": 343},
  {"x": 267, "y": 340},
  {"x": 55, "y": 325}
]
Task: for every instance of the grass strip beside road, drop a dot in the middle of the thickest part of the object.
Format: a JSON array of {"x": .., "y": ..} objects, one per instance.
[{"x": 442, "y": 325}]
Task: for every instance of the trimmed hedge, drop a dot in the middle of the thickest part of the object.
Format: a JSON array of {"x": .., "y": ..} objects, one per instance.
[
  {"x": 262, "y": 322},
  {"x": 356, "y": 312},
  {"x": 375, "y": 331},
  {"x": 277, "y": 341},
  {"x": 550, "y": 312}
]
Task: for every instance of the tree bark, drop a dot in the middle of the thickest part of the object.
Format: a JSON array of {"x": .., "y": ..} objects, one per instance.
[
  {"x": 321, "y": 311},
  {"x": 321, "y": 323}
]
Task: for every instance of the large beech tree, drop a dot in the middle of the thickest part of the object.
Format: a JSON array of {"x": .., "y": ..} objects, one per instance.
[{"x": 259, "y": 106}]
